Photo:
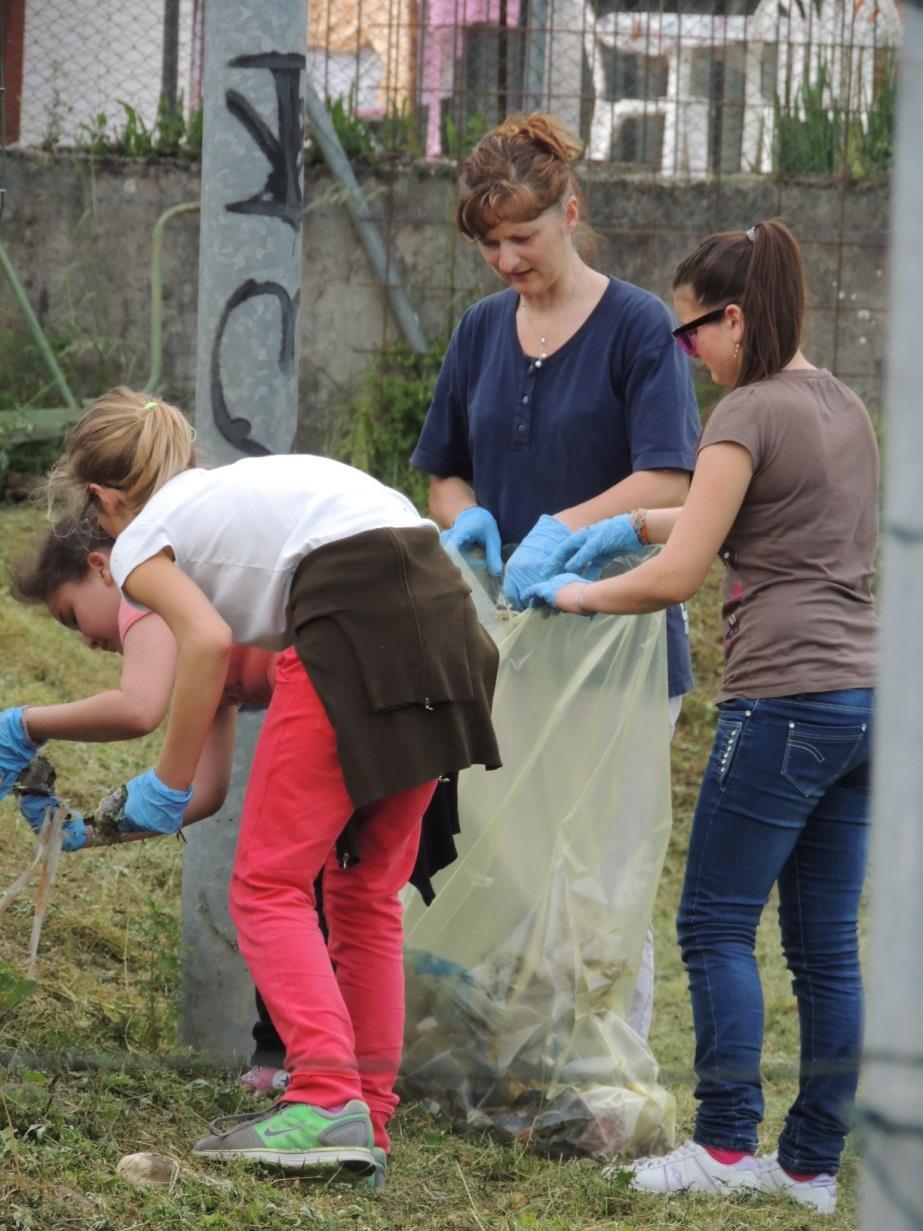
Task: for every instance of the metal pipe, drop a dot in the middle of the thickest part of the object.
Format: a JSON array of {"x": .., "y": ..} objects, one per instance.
[
  {"x": 358, "y": 210},
  {"x": 891, "y": 1114},
  {"x": 152, "y": 384},
  {"x": 37, "y": 332}
]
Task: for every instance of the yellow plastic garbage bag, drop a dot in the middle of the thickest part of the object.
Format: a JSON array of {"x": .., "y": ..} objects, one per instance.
[{"x": 521, "y": 973}]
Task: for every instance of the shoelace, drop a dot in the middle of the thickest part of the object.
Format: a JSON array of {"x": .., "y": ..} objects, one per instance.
[{"x": 249, "y": 1117}]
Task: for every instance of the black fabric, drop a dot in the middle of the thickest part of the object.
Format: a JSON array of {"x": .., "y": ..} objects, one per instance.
[{"x": 437, "y": 837}]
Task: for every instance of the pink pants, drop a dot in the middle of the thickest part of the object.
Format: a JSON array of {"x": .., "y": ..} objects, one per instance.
[{"x": 339, "y": 1008}]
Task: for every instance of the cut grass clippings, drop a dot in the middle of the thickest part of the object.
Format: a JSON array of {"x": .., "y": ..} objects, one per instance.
[{"x": 92, "y": 1071}]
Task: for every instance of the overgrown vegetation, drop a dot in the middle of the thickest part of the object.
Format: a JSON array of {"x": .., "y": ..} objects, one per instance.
[
  {"x": 172, "y": 135},
  {"x": 814, "y": 133},
  {"x": 90, "y": 363},
  {"x": 399, "y": 133},
  {"x": 376, "y": 429}
]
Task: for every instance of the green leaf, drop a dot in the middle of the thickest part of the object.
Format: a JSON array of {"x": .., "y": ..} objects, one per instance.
[{"x": 13, "y": 989}]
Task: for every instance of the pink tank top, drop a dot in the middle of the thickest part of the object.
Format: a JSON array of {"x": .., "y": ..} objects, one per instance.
[{"x": 251, "y": 671}]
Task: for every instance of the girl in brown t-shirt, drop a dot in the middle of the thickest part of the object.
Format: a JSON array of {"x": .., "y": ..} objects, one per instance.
[{"x": 785, "y": 491}]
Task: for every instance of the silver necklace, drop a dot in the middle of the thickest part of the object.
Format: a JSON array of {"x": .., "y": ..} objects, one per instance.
[
  {"x": 543, "y": 338},
  {"x": 542, "y": 343}
]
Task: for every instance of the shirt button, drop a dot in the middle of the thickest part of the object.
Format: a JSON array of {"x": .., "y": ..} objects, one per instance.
[
  {"x": 525, "y": 399},
  {"x": 522, "y": 427}
]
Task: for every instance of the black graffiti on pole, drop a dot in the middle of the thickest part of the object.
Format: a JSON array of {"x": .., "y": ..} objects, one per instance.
[
  {"x": 237, "y": 430},
  {"x": 281, "y": 195}
]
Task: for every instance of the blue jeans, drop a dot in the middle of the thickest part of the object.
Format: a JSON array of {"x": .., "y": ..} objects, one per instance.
[{"x": 784, "y": 799}]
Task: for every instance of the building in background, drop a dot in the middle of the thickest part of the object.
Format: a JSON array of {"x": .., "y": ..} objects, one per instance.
[{"x": 680, "y": 87}]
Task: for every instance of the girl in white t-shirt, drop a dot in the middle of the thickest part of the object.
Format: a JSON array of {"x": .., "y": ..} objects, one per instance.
[{"x": 392, "y": 689}]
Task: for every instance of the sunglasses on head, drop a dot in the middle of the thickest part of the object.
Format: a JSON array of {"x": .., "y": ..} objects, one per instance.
[{"x": 685, "y": 334}]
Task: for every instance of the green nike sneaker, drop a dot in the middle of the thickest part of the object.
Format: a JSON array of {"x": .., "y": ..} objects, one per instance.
[{"x": 299, "y": 1137}]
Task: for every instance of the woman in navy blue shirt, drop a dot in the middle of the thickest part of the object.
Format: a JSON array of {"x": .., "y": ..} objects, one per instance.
[{"x": 563, "y": 399}]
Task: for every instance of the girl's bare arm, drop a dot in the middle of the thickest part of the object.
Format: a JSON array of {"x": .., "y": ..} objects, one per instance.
[{"x": 203, "y": 645}]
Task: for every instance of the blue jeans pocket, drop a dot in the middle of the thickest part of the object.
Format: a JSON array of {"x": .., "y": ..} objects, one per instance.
[{"x": 815, "y": 757}]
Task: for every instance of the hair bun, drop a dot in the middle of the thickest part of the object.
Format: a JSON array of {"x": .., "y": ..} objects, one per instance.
[{"x": 545, "y": 131}]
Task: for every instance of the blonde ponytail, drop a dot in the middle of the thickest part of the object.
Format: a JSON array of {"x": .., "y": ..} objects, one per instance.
[{"x": 129, "y": 441}]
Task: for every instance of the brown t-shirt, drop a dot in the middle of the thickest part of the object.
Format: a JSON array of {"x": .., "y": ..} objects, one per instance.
[{"x": 799, "y": 615}]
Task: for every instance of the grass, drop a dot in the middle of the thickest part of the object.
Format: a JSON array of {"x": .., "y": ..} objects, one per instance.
[{"x": 106, "y": 990}]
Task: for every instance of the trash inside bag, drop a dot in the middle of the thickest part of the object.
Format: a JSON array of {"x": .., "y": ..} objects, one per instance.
[{"x": 521, "y": 973}]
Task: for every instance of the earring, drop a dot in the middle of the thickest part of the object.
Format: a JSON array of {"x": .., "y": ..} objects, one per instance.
[{"x": 736, "y": 349}]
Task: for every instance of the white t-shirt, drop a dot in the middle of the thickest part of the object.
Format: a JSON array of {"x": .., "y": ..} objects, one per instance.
[{"x": 240, "y": 531}]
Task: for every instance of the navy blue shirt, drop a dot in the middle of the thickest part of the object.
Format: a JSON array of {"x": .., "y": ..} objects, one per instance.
[{"x": 535, "y": 438}]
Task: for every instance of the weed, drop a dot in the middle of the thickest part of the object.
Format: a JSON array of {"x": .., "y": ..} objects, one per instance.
[
  {"x": 355, "y": 134},
  {"x": 170, "y": 136},
  {"x": 159, "y": 927},
  {"x": 398, "y": 134},
  {"x": 93, "y": 135},
  {"x": 13, "y": 988},
  {"x": 875, "y": 150},
  {"x": 59, "y": 111},
  {"x": 816, "y": 133},
  {"x": 460, "y": 139},
  {"x": 377, "y": 429},
  {"x": 401, "y": 134},
  {"x": 811, "y": 135}
]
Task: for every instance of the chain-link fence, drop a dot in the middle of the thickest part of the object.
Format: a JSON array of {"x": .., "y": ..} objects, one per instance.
[
  {"x": 699, "y": 116},
  {"x": 88, "y": 74},
  {"x": 688, "y": 88}
]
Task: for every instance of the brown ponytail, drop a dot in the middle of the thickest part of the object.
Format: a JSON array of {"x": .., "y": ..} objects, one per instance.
[
  {"x": 764, "y": 276},
  {"x": 516, "y": 172}
]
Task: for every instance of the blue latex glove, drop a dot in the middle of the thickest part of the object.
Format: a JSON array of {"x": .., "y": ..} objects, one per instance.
[
  {"x": 534, "y": 559},
  {"x": 16, "y": 749},
  {"x": 152, "y": 807},
  {"x": 591, "y": 548},
  {"x": 34, "y": 807},
  {"x": 546, "y": 591},
  {"x": 476, "y": 527}
]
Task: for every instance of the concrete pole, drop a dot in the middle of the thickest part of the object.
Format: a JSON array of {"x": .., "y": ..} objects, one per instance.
[
  {"x": 246, "y": 399},
  {"x": 891, "y": 1114}
]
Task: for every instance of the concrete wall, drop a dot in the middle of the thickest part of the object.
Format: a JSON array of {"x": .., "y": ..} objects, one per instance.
[{"x": 79, "y": 233}]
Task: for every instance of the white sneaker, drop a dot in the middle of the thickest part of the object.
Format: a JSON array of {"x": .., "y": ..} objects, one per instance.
[
  {"x": 690, "y": 1168},
  {"x": 819, "y": 1192}
]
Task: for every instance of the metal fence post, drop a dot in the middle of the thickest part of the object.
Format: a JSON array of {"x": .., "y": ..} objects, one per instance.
[
  {"x": 246, "y": 398},
  {"x": 892, "y": 1112},
  {"x": 169, "y": 73}
]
